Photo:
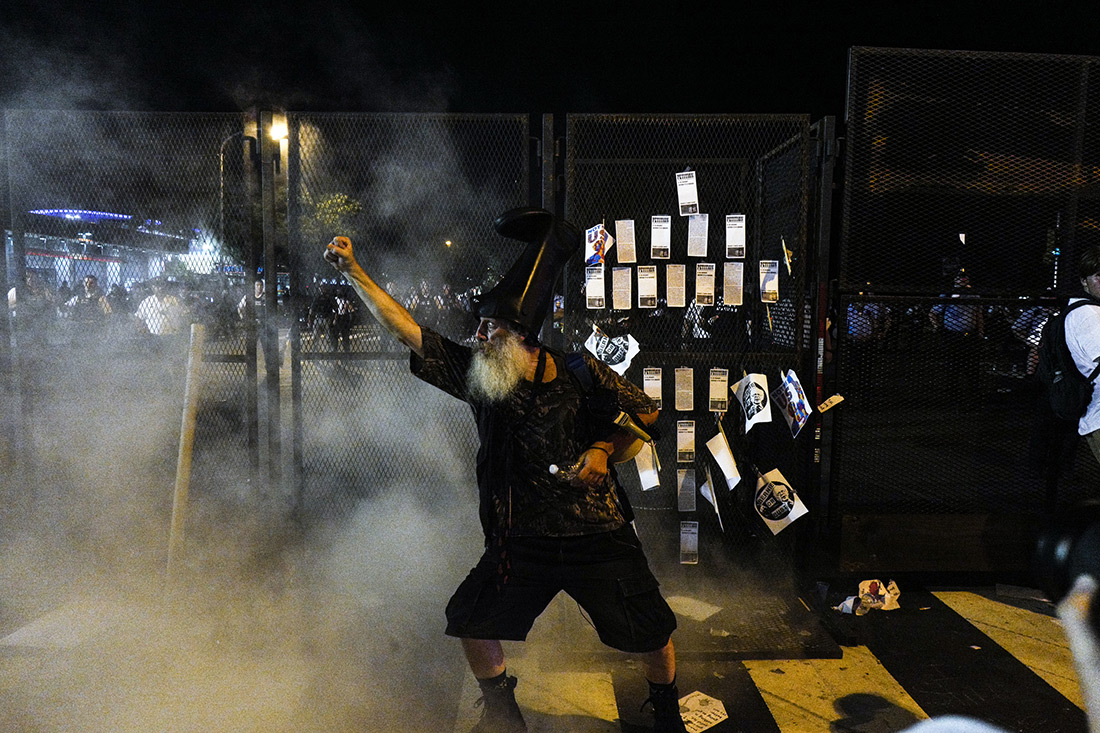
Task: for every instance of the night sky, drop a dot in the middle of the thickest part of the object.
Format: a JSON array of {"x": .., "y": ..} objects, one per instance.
[{"x": 778, "y": 57}]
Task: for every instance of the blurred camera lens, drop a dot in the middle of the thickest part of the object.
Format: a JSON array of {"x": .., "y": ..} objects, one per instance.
[{"x": 1068, "y": 546}]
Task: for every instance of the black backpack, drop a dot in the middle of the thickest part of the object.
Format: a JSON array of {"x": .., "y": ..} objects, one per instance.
[{"x": 1068, "y": 391}]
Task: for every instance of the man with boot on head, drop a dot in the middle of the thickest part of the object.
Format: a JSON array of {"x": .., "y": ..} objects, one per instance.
[{"x": 544, "y": 534}]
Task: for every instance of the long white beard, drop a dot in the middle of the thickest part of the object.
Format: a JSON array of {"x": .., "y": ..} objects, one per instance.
[{"x": 497, "y": 368}]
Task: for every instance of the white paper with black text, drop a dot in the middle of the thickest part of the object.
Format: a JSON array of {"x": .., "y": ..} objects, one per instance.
[
  {"x": 660, "y": 237},
  {"x": 735, "y": 236},
  {"x": 621, "y": 288},
  {"x": 689, "y": 543},
  {"x": 776, "y": 502},
  {"x": 647, "y": 286},
  {"x": 676, "y": 286},
  {"x": 769, "y": 281},
  {"x": 698, "y": 225},
  {"x": 685, "y": 489},
  {"x": 687, "y": 193},
  {"x": 704, "y": 283},
  {"x": 624, "y": 233},
  {"x": 685, "y": 441},
  {"x": 594, "y": 292},
  {"x": 685, "y": 389},
  {"x": 651, "y": 384},
  {"x": 733, "y": 283},
  {"x": 752, "y": 393},
  {"x": 701, "y": 712},
  {"x": 719, "y": 389}
]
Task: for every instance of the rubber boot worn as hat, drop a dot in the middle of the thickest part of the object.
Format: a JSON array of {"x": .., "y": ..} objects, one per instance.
[{"x": 524, "y": 294}]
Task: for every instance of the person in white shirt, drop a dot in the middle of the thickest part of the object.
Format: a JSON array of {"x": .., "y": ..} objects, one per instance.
[
  {"x": 161, "y": 312},
  {"x": 1083, "y": 339}
]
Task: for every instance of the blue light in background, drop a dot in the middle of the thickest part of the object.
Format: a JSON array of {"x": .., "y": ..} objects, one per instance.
[{"x": 82, "y": 214}]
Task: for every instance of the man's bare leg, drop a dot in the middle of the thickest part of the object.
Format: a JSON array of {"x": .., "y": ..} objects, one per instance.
[
  {"x": 485, "y": 657},
  {"x": 660, "y": 665},
  {"x": 486, "y": 660},
  {"x": 660, "y": 672}
]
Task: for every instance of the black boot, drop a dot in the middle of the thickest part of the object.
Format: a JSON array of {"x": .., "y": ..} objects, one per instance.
[
  {"x": 501, "y": 714},
  {"x": 665, "y": 700}
]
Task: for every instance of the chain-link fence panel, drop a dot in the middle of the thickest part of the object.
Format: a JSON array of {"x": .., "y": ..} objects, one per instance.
[
  {"x": 417, "y": 194},
  {"x": 116, "y": 244},
  {"x": 975, "y": 161},
  {"x": 967, "y": 199},
  {"x": 708, "y": 277}
]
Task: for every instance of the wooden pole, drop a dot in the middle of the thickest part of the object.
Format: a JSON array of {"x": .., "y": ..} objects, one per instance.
[{"x": 187, "y": 441}]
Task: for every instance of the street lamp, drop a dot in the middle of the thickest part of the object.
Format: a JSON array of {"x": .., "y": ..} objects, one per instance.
[{"x": 221, "y": 180}]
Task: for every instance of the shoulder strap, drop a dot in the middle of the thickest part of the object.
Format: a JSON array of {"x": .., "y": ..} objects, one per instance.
[
  {"x": 1085, "y": 301},
  {"x": 1066, "y": 310},
  {"x": 574, "y": 361}
]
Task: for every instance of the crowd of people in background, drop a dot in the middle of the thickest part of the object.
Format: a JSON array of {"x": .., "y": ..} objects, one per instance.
[
  {"x": 158, "y": 308},
  {"x": 329, "y": 318},
  {"x": 958, "y": 327},
  {"x": 161, "y": 308}
]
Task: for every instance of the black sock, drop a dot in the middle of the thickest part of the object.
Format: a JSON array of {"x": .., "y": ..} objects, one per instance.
[{"x": 493, "y": 682}]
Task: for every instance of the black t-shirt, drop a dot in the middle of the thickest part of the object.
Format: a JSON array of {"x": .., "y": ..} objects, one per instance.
[{"x": 521, "y": 436}]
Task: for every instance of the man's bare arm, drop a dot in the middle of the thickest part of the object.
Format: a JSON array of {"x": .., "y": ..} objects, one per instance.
[{"x": 387, "y": 311}]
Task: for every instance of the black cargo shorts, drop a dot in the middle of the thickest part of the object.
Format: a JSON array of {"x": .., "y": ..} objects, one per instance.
[{"x": 606, "y": 573}]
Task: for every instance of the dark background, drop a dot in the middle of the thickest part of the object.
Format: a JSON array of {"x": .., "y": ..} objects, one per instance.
[{"x": 733, "y": 57}]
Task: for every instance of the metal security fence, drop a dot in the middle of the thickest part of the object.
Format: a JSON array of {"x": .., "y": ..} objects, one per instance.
[
  {"x": 727, "y": 285},
  {"x": 418, "y": 195},
  {"x": 119, "y": 236},
  {"x": 968, "y": 194}
]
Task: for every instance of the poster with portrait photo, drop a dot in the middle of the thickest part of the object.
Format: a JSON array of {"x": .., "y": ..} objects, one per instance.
[
  {"x": 616, "y": 352},
  {"x": 776, "y": 502},
  {"x": 752, "y": 393},
  {"x": 597, "y": 245},
  {"x": 791, "y": 401}
]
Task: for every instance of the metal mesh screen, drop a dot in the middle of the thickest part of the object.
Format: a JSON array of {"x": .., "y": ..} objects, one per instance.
[
  {"x": 969, "y": 190},
  {"x": 115, "y": 245},
  {"x": 418, "y": 195},
  {"x": 623, "y": 168}
]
